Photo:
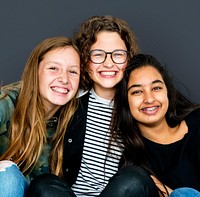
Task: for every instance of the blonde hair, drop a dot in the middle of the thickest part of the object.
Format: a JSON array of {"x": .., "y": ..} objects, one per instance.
[{"x": 28, "y": 125}]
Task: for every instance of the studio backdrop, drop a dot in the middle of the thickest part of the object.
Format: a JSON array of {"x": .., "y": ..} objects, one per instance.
[{"x": 166, "y": 29}]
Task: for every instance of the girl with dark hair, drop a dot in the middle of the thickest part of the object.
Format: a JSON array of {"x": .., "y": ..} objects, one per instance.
[{"x": 159, "y": 126}]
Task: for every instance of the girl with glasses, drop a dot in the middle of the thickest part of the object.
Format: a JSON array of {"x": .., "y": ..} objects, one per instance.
[{"x": 91, "y": 153}]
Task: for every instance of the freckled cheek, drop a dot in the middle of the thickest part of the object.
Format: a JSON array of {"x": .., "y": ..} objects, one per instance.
[
  {"x": 75, "y": 83},
  {"x": 45, "y": 82}
]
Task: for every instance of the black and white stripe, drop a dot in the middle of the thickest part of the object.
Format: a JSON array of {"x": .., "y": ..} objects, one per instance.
[{"x": 97, "y": 165}]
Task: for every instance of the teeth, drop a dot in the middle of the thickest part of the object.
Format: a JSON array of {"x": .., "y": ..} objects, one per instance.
[
  {"x": 150, "y": 109},
  {"x": 108, "y": 73},
  {"x": 60, "y": 90}
]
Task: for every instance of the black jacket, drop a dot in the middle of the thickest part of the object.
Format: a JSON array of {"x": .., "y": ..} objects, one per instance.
[{"x": 74, "y": 141}]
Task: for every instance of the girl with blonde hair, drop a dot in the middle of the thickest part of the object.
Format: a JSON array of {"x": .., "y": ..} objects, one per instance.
[{"x": 34, "y": 115}]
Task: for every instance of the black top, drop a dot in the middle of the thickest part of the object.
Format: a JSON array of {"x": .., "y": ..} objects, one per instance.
[
  {"x": 74, "y": 141},
  {"x": 178, "y": 164}
]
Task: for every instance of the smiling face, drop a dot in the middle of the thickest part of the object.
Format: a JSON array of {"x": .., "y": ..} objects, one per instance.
[
  {"x": 59, "y": 74},
  {"x": 147, "y": 96},
  {"x": 107, "y": 74}
]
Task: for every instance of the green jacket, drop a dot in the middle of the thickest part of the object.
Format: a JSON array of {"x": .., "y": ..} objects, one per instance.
[{"x": 8, "y": 98}]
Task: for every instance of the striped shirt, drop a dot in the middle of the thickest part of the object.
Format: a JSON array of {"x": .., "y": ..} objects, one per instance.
[{"x": 97, "y": 164}]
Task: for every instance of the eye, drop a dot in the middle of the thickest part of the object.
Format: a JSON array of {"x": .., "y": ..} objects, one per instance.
[
  {"x": 74, "y": 71},
  {"x": 118, "y": 54},
  {"x": 157, "y": 88},
  {"x": 53, "y": 68},
  {"x": 98, "y": 55},
  {"x": 136, "y": 92}
]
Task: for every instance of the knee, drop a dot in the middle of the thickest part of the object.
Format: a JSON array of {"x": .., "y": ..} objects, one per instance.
[
  {"x": 9, "y": 171},
  {"x": 135, "y": 180},
  {"x": 185, "y": 192},
  {"x": 12, "y": 180},
  {"x": 6, "y": 164},
  {"x": 136, "y": 175},
  {"x": 39, "y": 183},
  {"x": 47, "y": 185}
]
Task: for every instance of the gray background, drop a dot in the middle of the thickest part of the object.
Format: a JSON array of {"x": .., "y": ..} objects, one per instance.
[{"x": 167, "y": 29}]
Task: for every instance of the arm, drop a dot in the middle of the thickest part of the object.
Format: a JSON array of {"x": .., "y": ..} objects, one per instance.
[
  {"x": 8, "y": 97},
  {"x": 163, "y": 188}
]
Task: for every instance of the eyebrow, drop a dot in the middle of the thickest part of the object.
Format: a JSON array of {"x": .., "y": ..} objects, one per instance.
[
  {"x": 58, "y": 63},
  {"x": 138, "y": 85},
  {"x": 52, "y": 61}
]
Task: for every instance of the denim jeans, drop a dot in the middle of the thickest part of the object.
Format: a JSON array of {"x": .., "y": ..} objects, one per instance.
[
  {"x": 185, "y": 192},
  {"x": 12, "y": 181}
]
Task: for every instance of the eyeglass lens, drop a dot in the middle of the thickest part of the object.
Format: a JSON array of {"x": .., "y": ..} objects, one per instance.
[{"x": 117, "y": 56}]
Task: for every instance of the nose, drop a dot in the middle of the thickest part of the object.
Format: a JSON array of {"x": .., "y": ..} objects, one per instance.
[
  {"x": 108, "y": 61},
  {"x": 149, "y": 98},
  {"x": 63, "y": 78}
]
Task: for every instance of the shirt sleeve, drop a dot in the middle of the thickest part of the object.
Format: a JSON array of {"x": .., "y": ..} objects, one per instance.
[{"x": 8, "y": 98}]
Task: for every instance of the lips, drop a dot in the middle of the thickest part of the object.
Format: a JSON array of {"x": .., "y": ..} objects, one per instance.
[
  {"x": 150, "y": 110},
  {"x": 60, "y": 90}
]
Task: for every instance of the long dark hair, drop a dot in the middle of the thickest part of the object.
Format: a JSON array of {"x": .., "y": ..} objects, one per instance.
[{"x": 125, "y": 124}]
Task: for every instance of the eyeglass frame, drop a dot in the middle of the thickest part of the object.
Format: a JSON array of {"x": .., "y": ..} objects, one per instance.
[{"x": 111, "y": 53}]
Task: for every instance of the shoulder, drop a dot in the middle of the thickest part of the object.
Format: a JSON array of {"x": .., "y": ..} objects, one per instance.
[
  {"x": 9, "y": 94},
  {"x": 8, "y": 97},
  {"x": 12, "y": 86},
  {"x": 193, "y": 119},
  {"x": 10, "y": 91},
  {"x": 81, "y": 93},
  {"x": 194, "y": 115},
  {"x": 83, "y": 98},
  {"x": 79, "y": 117}
]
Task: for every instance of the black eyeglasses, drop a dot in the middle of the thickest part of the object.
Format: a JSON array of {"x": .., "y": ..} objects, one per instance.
[{"x": 98, "y": 56}]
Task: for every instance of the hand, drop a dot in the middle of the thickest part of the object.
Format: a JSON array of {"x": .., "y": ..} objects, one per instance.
[{"x": 163, "y": 188}]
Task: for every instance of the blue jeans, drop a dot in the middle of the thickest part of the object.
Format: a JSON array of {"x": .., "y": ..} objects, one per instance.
[
  {"x": 12, "y": 181},
  {"x": 185, "y": 192}
]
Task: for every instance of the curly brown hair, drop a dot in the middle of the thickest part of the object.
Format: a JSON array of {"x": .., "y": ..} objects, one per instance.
[{"x": 86, "y": 37}]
